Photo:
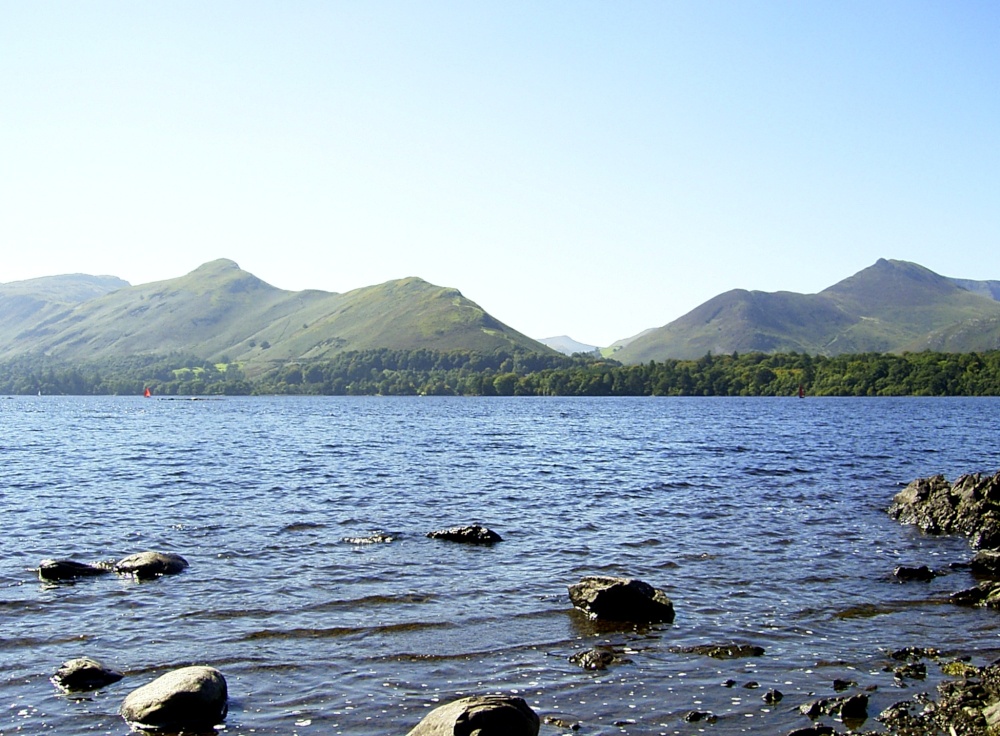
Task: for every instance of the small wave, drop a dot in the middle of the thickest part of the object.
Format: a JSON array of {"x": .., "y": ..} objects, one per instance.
[
  {"x": 302, "y": 526},
  {"x": 337, "y": 632}
]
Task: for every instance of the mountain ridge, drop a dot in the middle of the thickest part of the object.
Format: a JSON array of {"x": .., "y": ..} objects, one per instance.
[
  {"x": 891, "y": 306},
  {"x": 220, "y": 311}
]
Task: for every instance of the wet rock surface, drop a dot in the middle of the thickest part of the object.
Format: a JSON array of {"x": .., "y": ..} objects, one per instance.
[
  {"x": 188, "y": 699},
  {"x": 606, "y": 598},
  {"x": 150, "y": 565},
  {"x": 482, "y": 715},
  {"x": 723, "y": 651},
  {"x": 84, "y": 674},
  {"x": 474, "y": 534},
  {"x": 63, "y": 570},
  {"x": 970, "y": 506}
]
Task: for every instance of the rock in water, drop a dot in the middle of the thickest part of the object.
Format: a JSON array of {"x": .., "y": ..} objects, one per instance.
[
  {"x": 84, "y": 674},
  {"x": 56, "y": 570},
  {"x": 191, "y": 698},
  {"x": 149, "y": 565},
  {"x": 621, "y": 599},
  {"x": 970, "y": 506},
  {"x": 480, "y": 715},
  {"x": 474, "y": 534}
]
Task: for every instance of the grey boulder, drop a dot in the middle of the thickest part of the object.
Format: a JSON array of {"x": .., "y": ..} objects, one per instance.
[
  {"x": 480, "y": 715},
  {"x": 82, "y": 674},
  {"x": 187, "y": 699},
  {"x": 149, "y": 565},
  {"x": 605, "y": 598}
]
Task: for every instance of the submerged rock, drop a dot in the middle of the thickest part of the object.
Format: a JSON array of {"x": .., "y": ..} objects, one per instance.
[
  {"x": 474, "y": 534},
  {"x": 723, "y": 651},
  {"x": 149, "y": 565},
  {"x": 188, "y": 699},
  {"x": 593, "y": 659},
  {"x": 607, "y": 598},
  {"x": 59, "y": 570},
  {"x": 480, "y": 715},
  {"x": 373, "y": 538},
  {"x": 921, "y": 574},
  {"x": 82, "y": 674}
]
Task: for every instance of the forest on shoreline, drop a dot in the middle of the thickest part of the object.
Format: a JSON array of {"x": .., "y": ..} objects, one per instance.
[{"x": 468, "y": 373}]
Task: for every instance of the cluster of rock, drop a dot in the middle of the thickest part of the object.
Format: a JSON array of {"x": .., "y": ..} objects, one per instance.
[
  {"x": 186, "y": 699},
  {"x": 142, "y": 566},
  {"x": 195, "y": 698},
  {"x": 969, "y": 507}
]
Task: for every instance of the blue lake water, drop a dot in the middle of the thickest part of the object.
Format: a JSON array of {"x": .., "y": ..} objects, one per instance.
[{"x": 763, "y": 519}]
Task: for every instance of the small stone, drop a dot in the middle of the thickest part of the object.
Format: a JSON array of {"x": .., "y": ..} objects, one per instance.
[
  {"x": 82, "y": 674},
  {"x": 593, "y": 659},
  {"x": 149, "y": 565},
  {"x": 474, "y": 534},
  {"x": 772, "y": 696}
]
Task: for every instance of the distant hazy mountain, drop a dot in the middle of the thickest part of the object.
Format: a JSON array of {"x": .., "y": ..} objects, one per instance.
[
  {"x": 220, "y": 310},
  {"x": 567, "y": 345},
  {"x": 891, "y": 306}
]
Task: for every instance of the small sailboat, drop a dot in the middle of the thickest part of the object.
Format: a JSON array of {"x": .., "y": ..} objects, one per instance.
[
  {"x": 147, "y": 393},
  {"x": 802, "y": 391}
]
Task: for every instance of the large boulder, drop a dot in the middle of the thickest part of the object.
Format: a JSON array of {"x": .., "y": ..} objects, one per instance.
[
  {"x": 59, "y": 570},
  {"x": 188, "y": 699},
  {"x": 84, "y": 674},
  {"x": 474, "y": 534},
  {"x": 970, "y": 506},
  {"x": 480, "y": 715},
  {"x": 149, "y": 565},
  {"x": 607, "y": 598}
]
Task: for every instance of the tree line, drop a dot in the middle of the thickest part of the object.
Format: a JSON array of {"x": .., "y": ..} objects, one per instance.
[{"x": 468, "y": 373}]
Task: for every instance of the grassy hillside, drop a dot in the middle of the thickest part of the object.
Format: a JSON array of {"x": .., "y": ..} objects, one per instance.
[
  {"x": 26, "y": 304},
  {"x": 220, "y": 311},
  {"x": 891, "y": 306}
]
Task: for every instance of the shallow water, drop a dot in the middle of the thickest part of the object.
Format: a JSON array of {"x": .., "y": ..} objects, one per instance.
[{"x": 763, "y": 519}]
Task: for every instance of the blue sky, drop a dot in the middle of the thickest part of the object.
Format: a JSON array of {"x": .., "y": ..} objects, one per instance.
[{"x": 581, "y": 168}]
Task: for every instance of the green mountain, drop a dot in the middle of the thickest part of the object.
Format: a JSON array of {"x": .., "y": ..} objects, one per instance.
[
  {"x": 219, "y": 310},
  {"x": 892, "y": 306}
]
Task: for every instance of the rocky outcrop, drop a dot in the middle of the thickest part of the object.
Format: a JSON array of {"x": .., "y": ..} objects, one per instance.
[
  {"x": 83, "y": 674},
  {"x": 606, "y": 598},
  {"x": 480, "y": 715},
  {"x": 188, "y": 699},
  {"x": 970, "y": 506},
  {"x": 149, "y": 565},
  {"x": 52, "y": 571},
  {"x": 474, "y": 534}
]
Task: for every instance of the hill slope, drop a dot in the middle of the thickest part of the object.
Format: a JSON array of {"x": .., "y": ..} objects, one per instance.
[
  {"x": 891, "y": 306},
  {"x": 220, "y": 310}
]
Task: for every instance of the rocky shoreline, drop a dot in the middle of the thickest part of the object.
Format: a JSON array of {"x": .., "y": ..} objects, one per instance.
[{"x": 966, "y": 703}]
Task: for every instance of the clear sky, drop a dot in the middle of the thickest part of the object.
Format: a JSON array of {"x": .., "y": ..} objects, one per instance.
[{"x": 581, "y": 168}]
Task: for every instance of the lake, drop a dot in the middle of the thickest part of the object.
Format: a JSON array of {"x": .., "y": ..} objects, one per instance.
[{"x": 763, "y": 519}]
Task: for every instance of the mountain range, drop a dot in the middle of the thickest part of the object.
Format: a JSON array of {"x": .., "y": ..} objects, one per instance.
[
  {"x": 892, "y": 306},
  {"x": 220, "y": 312}
]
